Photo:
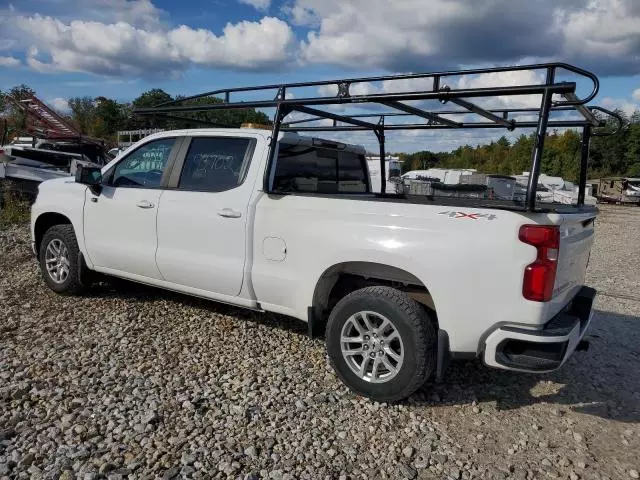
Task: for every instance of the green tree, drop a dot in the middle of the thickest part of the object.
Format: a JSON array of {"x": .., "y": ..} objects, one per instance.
[
  {"x": 632, "y": 154},
  {"x": 84, "y": 115},
  {"x": 112, "y": 115},
  {"x": 148, "y": 99},
  {"x": 15, "y": 119}
]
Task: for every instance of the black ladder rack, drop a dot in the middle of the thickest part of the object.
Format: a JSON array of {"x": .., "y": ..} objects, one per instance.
[{"x": 554, "y": 97}]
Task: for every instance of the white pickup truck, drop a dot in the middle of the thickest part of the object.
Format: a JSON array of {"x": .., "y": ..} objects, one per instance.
[{"x": 403, "y": 285}]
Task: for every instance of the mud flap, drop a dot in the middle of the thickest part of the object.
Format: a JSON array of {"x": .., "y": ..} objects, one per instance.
[
  {"x": 316, "y": 325},
  {"x": 443, "y": 355}
]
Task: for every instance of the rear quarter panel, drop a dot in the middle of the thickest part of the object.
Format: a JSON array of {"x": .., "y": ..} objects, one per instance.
[{"x": 471, "y": 261}]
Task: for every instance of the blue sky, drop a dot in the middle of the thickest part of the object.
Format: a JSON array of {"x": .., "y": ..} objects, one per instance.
[{"x": 120, "y": 48}]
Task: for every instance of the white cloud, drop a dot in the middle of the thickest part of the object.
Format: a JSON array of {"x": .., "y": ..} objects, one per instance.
[
  {"x": 7, "y": 43},
  {"x": 123, "y": 49},
  {"x": 636, "y": 94},
  {"x": 603, "y": 28},
  {"x": 432, "y": 34},
  {"x": 9, "y": 62},
  {"x": 262, "y": 5},
  {"x": 627, "y": 106},
  {"x": 60, "y": 104},
  {"x": 505, "y": 79}
]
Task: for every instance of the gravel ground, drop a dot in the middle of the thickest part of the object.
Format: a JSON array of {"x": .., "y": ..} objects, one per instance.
[{"x": 141, "y": 383}]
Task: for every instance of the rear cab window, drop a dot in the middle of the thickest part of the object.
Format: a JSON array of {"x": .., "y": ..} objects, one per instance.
[{"x": 313, "y": 169}]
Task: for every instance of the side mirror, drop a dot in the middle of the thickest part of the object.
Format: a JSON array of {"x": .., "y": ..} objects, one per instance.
[{"x": 91, "y": 176}]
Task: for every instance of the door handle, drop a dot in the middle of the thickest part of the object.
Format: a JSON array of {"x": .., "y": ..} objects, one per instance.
[
  {"x": 144, "y": 204},
  {"x": 229, "y": 213}
]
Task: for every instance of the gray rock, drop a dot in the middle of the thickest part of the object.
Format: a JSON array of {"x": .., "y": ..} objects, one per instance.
[
  {"x": 251, "y": 451},
  {"x": 171, "y": 473},
  {"x": 408, "y": 452},
  {"x": 406, "y": 471},
  {"x": 276, "y": 475},
  {"x": 439, "y": 459},
  {"x": 66, "y": 475},
  {"x": 106, "y": 468},
  {"x": 564, "y": 462},
  {"x": 4, "y": 469},
  {"x": 187, "y": 470},
  {"x": 422, "y": 459},
  {"x": 226, "y": 467},
  {"x": 27, "y": 460}
]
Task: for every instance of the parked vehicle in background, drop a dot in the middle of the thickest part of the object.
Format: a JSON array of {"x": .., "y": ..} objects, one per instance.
[
  {"x": 448, "y": 176},
  {"x": 501, "y": 187},
  {"x": 619, "y": 190},
  {"x": 24, "y": 167},
  {"x": 275, "y": 221},
  {"x": 53, "y": 150},
  {"x": 114, "y": 152},
  {"x": 392, "y": 173},
  {"x": 553, "y": 190}
]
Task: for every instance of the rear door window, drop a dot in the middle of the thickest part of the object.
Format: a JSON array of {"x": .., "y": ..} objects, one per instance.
[{"x": 214, "y": 164}]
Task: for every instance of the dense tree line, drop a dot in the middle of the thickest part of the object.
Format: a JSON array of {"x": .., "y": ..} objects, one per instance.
[
  {"x": 102, "y": 117},
  {"x": 609, "y": 155}
]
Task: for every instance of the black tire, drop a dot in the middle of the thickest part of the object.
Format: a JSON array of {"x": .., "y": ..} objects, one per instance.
[
  {"x": 414, "y": 327},
  {"x": 76, "y": 280}
]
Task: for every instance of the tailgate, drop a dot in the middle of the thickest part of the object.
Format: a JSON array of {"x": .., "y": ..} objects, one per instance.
[{"x": 576, "y": 238}]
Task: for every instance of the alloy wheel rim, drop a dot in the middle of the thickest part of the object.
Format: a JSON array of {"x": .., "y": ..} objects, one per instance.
[
  {"x": 57, "y": 260},
  {"x": 372, "y": 347}
]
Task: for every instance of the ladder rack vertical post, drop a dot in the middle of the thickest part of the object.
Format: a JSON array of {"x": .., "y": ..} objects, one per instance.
[
  {"x": 383, "y": 170},
  {"x": 538, "y": 147},
  {"x": 584, "y": 163},
  {"x": 281, "y": 112}
]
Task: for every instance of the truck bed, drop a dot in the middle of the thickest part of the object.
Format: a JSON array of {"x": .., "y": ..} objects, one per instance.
[{"x": 510, "y": 205}]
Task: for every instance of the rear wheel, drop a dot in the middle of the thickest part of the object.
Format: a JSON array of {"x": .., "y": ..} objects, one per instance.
[
  {"x": 381, "y": 343},
  {"x": 59, "y": 258}
]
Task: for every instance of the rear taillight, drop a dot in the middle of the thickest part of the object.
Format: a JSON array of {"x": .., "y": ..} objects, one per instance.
[{"x": 540, "y": 276}]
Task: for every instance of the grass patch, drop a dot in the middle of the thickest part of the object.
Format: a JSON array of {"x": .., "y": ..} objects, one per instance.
[{"x": 14, "y": 208}]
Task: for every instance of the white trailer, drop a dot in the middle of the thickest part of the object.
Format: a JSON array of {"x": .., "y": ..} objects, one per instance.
[{"x": 392, "y": 173}]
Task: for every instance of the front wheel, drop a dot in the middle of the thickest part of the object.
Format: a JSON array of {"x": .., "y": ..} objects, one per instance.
[
  {"x": 381, "y": 343},
  {"x": 59, "y": 257}
]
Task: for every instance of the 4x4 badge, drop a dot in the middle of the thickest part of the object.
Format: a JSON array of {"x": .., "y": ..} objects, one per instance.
[{"x": 472, "y": 216}]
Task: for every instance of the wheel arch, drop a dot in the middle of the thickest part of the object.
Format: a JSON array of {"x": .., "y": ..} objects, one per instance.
[
  {"x": 44, "y": 222},
  {"x": 340, "y": 279}
]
